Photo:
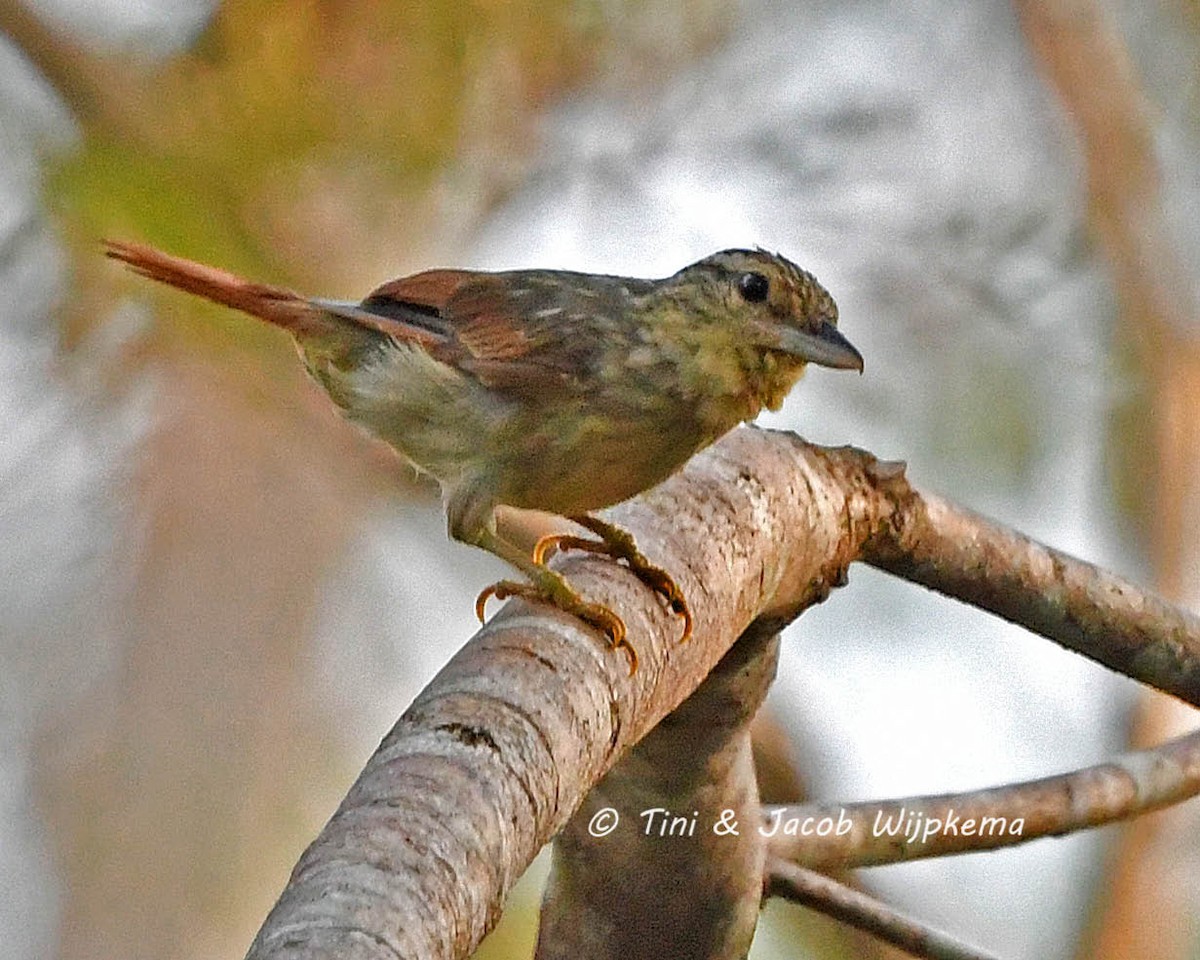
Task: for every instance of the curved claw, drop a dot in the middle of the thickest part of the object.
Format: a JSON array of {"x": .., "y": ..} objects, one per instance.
[
  {"x": 501, "y": 590},
  {"x": 613, "y": 627},
  {"x": 553, "y": 542},
  {"x": 631, "y": 653},
  {"x": 619, "y": 544},
  {"x": 680, "y": 608},
  {"x": 664, "y": 585},
  {"x": 593, "y": 614}
]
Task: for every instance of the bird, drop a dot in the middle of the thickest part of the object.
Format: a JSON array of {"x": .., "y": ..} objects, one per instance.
[{"x": 549, "y": 390}]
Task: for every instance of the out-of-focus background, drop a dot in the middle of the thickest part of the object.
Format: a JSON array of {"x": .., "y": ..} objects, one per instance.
[{"x": 215, "y": 596}]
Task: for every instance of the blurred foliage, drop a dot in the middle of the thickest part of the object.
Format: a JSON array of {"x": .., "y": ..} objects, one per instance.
[
  {"x": 988, "y": 421},
  {"x": 1141, "y": 349},
  {"x": 309, "y": 132}
]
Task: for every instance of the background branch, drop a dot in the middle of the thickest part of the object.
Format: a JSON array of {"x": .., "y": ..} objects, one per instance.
[
  {"x": 92, "y": 87},
  {"x": 1135, "y": 195},
  {"x": 864, "y": 912},
  {"x": 1116, "y": 790}
]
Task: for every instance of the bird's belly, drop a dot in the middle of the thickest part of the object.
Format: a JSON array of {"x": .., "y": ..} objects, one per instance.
[
  {"x": 565, "y": 455},
  {"x": 440, "y": 420},
  {"x": 580, "y": 466}
]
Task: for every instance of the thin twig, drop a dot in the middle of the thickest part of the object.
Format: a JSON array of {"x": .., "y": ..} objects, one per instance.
[
  {"x": 915, "y": 828},
  {"x": 88, "y": 85},
  {"x": 828, "y": 896}
]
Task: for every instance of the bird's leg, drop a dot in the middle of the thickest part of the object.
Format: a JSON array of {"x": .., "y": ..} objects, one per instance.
[
  {"x": 551, "y": 587},
  {"x": 619, "y": 544},
  {"x": 474, "y": 523}
]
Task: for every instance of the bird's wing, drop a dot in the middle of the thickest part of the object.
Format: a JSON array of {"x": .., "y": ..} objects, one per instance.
[
  {"x": 409, "y": 309},
  {"x": 523, "y": 331},
  {"x": 518, "y": 332}
]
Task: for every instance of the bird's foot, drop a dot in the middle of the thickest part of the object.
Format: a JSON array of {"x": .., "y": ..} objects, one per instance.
[
  {"x": 620, "y": 545},
  {"x": 553, "y": 589}
]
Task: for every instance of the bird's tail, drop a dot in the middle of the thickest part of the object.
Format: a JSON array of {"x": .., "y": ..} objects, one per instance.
[{"x": 276, "y": 305}]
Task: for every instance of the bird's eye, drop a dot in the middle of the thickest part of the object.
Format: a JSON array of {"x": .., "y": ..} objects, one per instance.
[{"x": 753, "y": 287}]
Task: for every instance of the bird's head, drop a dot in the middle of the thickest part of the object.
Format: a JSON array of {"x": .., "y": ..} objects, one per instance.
[{"x": 775, "y": 306}]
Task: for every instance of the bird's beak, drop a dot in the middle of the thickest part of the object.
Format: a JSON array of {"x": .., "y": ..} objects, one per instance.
[{"x": 824, "y": 346}]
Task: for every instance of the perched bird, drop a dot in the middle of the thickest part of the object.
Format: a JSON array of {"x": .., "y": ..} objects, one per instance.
[{"x": 550, "y": 390}]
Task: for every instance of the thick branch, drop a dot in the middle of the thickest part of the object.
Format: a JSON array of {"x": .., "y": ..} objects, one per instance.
[
  {"x": 501, "y": 748},
  {"x": 680, "y": 874},
  {"x": 914, "y": 828}
]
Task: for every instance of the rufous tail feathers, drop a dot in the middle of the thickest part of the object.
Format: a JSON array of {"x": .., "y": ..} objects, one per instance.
[{"x": 276, "y": 305}]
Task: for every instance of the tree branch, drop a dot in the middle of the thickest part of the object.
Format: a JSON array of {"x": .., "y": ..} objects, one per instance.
[
  {"x": 1121, "y": 788},
  {"x": 1077, "y": 605},
  {"x": 834, "y": 899},
  {"x": 681, "y": 874},
  {"x": 500, "y": 750}
]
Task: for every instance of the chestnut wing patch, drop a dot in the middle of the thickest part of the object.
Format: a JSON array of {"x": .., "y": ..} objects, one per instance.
[
  {"x": 416, "y": 303},
  {"x": 507, "y": 330},
  {"x": 489, "y": 322}
]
